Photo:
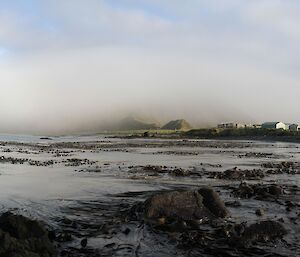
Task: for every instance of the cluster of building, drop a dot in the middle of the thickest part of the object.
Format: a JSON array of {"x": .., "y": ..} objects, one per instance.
[
  {"x": 281, "y": 125},
  {"x": 266, "y": 125},
  {"x": 231, "y": 125}
]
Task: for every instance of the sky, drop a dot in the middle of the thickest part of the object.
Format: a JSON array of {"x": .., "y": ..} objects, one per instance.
[{"x": 72, "y": 65}]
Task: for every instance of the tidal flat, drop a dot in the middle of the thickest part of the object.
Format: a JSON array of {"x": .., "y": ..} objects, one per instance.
[{"x": 110, "y": 196}]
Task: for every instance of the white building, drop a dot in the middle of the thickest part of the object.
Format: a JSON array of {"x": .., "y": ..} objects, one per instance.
[
  {"x": 274, "y": 125},
  {"x": 231, "y": 125}
]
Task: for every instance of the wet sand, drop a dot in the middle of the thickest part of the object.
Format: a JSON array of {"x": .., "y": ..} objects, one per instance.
[{"x": 84, "y": 188}]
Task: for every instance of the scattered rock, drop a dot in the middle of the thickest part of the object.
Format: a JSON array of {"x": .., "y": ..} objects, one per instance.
[
  {"x": 12, "y": 160},
  {"x": 259, "y": 191},
  {"x": 260, "y": 212},
  {"x": 74, "y": 162},
  {"x": 153, "y": 170},
  {"x": 157, "y": 169},
  {"x": 83, "y": 242},
  {"x": 238, "y": 174},
  {"x": 257, "y": 155},
  {"x": 282, "y": 167}
]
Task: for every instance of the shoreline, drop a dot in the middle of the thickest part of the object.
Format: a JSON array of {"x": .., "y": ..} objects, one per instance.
[{"x": 222, "y": 138}]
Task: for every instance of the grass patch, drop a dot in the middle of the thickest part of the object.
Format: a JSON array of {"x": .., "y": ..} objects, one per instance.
[{"x": 244, "y": 133}]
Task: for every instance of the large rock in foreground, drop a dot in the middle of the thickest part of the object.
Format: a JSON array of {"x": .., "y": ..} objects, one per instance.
[
  {"x": 22, "y": 237},
  {"x": 186, "y": 205}
]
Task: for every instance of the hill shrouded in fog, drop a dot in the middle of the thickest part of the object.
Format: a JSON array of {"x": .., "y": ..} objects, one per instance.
[
  {"x": 138, "y": 123},
  {"x": 181, "y": 124},
  {"x": 134, "y": 123}
]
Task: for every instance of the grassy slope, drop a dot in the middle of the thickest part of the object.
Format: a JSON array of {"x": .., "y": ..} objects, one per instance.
[{"x": 247, "y": 134}]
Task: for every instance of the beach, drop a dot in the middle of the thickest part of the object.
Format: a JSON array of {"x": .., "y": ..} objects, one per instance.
[{"x": 84, "y": 188}]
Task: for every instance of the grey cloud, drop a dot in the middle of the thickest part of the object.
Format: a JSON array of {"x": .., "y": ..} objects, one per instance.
[{"x": 96, "y": 61}]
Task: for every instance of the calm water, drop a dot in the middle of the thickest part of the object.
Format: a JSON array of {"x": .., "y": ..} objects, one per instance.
[{"x": 23, "y": 185}]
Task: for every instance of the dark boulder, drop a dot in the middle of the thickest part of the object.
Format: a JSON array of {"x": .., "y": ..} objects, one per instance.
[
  {"x": 20, "y": 236},
  {"x": 232, "y": 174},
  {"x": 260, "y": 212},
  {"x": 213, "y": 202},
  {"x": 180, "y": 172},
  {"x": 21, "y": 227},
  {"x": 185, "y": 205},
  {"x": 275, "y": 190},
  {"x": 263, "y": 231}
]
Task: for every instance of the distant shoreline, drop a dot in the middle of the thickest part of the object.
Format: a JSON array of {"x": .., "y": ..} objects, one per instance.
[
  {"x": 268, "y": 135},
  {"x": 247, "y": 134}
]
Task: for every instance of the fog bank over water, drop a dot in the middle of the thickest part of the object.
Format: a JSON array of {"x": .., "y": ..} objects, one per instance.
[{"x": 77, "y": 66}]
